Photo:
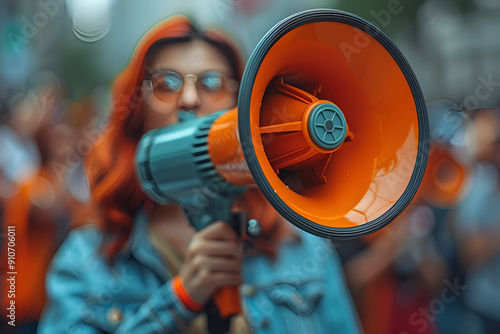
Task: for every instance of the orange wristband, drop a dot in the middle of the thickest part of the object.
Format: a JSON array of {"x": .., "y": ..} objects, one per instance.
[{"x": 178, "y": 287}]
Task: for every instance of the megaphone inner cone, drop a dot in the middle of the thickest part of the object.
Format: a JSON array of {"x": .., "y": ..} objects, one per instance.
[{"x": 313, "y": 130}]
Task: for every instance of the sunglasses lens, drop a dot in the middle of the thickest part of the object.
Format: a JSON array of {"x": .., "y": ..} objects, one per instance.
[
  {"x": 171, "y": 82},
  {"x": 211, "y": 81},
  {"x": 165, "y": 83}
]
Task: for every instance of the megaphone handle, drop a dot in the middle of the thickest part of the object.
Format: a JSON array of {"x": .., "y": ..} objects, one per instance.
[
  {"x": 216, "y": 324},
  {"x": 227, "y": 301}
]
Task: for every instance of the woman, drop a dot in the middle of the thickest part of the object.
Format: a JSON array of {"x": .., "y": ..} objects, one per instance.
[{"x": 141, "y": 268}]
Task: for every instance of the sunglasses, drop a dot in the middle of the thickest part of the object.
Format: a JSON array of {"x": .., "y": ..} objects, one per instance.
[{"x": 165, "y": 84}]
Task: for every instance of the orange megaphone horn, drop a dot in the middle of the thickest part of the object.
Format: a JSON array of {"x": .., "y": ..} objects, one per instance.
[{"x": 445, "y": 178}]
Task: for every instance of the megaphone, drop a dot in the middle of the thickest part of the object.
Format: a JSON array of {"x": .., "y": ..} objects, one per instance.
[
  {"x": 449, "y": 163},
  {"x": 331, "y": 126},
  {"x": 445, "y": 178}
]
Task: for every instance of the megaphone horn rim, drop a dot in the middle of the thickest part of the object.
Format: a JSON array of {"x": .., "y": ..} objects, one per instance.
[{"x": 244, "y": 126}]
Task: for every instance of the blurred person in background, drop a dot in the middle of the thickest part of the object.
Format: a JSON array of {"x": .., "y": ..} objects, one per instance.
[
  {"x": 395, "y": 272},
  {"x": 38, "y": 204},
  {"x": 138, "y": 267},
  {"x": 19, "y": 157},
  {"x": 398, "y": 274},
  {"x": 476, "y": 223}
]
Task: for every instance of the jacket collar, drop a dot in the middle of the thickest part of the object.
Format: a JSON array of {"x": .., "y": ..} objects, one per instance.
[{"x": 140, "y": 247}]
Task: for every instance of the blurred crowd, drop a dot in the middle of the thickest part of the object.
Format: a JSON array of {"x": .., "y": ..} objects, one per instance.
[
  {"x": 42, "y": 184},
  {"x": 436, "y": 269}
]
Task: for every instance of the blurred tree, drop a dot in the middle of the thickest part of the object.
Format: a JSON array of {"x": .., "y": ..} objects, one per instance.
[{"x": 390, "y": 15}]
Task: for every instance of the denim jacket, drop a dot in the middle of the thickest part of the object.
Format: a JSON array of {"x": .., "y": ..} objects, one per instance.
[{"x": 302, "y": 291}]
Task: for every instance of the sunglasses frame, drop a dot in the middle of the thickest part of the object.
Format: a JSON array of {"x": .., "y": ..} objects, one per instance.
[{"x": 189, "y": 75}]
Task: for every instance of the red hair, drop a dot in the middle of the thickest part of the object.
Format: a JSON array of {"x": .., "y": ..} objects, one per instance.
[{"x": 115, "y": 191}]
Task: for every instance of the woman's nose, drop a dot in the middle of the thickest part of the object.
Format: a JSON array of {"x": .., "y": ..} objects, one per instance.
[{"x": 189, "y": 99}]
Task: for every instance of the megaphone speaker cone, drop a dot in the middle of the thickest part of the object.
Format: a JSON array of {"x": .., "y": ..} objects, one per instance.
[{"x": 332, "y": 124}]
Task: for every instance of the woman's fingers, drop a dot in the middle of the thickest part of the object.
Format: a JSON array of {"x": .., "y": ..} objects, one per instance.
[
  {"x": 213, "y": 264},
  {"x": 214, "y": 248},
  {"x": 218, "y": 280},
  {"x": 213, "y": 260},
  {"x": 217, "y": 231}
]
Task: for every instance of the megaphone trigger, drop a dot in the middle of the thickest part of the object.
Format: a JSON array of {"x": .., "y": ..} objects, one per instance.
[{"x": 254, "y": 228}]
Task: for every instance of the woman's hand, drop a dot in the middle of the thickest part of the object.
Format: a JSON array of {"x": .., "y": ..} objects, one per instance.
[{"x": 213, "y": 260}]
